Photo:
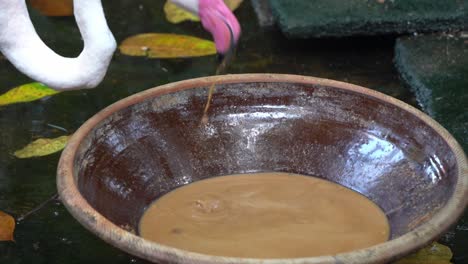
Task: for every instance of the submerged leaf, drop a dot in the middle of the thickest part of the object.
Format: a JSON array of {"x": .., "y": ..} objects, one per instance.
[
  {"x": 159, "y": 45},
  {"x": 53, "y": 7},
  {"x": 42, "y": 147},
  {"x": 7, "y": 227},
  {"x": 175, "y": 14},
  {"x": 433, "y": 254},
  {"x": 26, "y": 93},
  {"x": 233, "y": 4}
]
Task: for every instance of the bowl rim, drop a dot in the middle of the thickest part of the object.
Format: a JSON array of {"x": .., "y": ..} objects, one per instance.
[{"x": 390, "y": 250}]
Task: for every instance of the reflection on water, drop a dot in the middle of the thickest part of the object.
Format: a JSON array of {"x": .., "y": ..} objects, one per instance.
[
  {"x": 378, "y": 149},
  {"x": 371, "y": 157},
  {"x": 381, "y": 155},
  {"x": 434, "y": 168},
  {"x": 263, "y": 115}
]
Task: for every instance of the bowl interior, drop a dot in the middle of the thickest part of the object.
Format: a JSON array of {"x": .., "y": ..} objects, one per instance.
[{"x": 374, "y": 147}]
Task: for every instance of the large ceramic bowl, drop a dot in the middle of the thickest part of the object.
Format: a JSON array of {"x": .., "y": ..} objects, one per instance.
[{"x": 143, "y": 146}]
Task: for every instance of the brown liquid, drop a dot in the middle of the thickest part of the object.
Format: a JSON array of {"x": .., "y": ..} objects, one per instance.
[{"x": 265, "y": 215}]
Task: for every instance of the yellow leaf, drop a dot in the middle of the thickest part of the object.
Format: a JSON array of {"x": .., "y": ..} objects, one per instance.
[
  {"x": 175, "y": 14},
  {"x": 26, "y": 93},
  {"x": 158, "y": 45},
  {"x": 233, "y": 4},
  {"x": 42, "y": 147},
  {"x": 433, "y": 254},
  {"x": 53, "y": 7},
  {"x": 7, "y": 227}
]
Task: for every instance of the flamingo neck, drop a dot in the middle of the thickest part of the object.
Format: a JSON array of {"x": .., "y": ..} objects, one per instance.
[{"x": 22, "y": 46}]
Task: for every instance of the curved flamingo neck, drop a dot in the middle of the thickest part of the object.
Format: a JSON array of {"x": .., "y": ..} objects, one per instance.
[{"x": 22, "y": 46}]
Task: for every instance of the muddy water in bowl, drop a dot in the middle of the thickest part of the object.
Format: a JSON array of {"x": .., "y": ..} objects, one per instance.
[
  {"x": 265, "y": 215},
  {"x": 145, "y": 146}
]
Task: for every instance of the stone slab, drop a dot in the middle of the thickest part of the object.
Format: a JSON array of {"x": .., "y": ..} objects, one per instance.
[
  {"x": 325, "y": 18},
  {"x": 435, "y": 67}
]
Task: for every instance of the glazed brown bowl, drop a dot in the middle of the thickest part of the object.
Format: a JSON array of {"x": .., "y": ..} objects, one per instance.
[{"x": 144, "y": 146}]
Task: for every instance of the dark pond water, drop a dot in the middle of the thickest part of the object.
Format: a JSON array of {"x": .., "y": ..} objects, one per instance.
[{"x": 51, "y": 235}]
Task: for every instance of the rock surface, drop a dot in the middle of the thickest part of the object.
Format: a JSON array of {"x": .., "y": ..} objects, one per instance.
[
  {"x": 436, "y": 69},
  {"x": 322, "y": 18}
]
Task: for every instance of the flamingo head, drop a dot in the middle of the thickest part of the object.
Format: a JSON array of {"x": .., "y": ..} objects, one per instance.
[{"x": 216, "y": 18}]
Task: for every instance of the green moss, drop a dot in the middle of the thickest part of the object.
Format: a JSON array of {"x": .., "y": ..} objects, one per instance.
[
  {"x": 436, "y": 69},
  {"x": 317, "y": 18}
]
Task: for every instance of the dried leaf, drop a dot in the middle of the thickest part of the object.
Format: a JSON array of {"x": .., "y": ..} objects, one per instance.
[
  {"x": 42, "y": 147},
  {"x": 26, "y": 93},
  {"x": 53, "y": 7},
  {"x": 175, "y": 14},
  {"x": 433, "y": 254},
  {"x": 7, "y": 227},
  {"x": 158, "y": 45}
]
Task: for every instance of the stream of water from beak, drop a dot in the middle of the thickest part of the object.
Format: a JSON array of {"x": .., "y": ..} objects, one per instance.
[{"x": 219, "y": 70}]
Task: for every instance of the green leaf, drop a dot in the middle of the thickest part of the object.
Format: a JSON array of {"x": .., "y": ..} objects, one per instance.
[
  {"x": 26, "y": 93},
  {"x": 175, "y": 14},
  {"x": 433, "y": 254},
  {"x": 7, "y": 227},
  {"x": 42, "y": 147},
  {"x": 159, "y": 45}
]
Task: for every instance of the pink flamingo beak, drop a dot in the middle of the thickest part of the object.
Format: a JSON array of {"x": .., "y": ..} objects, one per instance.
[{"x": 220, "y": 22}]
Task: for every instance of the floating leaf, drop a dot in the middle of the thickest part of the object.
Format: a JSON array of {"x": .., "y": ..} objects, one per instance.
[
  {"x": 7, "y": 227},
  {"x": 175, "y": 14},
  {"x": 233, "y": 4},
  {"x": 26, "y": 93},
  {"x": 42, "y": 147},
  {"x": 53, "y": 7},
  {"x": 158, "y": 45},
  {"x": 433, "y": 254}
]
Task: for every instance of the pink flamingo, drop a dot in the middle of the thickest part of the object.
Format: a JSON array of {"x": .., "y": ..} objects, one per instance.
[{"x": 21, "y": 45}]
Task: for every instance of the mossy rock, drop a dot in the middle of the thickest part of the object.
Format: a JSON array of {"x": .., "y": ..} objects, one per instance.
[
  {"x": 436, "y": 69},
  {"x": 322, "y": 18}
]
